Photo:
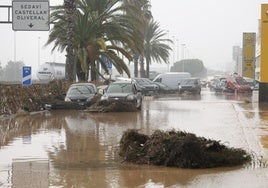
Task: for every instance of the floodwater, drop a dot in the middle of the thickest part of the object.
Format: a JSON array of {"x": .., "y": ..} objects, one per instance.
[{"x": 79, "y": 149}]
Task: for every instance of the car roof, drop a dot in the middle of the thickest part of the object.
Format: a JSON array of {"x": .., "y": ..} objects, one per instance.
[
  {"x": 80, "y": 84},
  {"x": 192, "y": 78},
  {"x": 122, "y": 81}
]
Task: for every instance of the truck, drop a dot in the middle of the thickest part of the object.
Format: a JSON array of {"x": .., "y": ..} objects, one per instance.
[{"x": 50, "y": 71}]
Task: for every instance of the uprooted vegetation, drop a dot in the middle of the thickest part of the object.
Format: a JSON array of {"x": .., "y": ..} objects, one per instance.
[
  {"x": 178, "y": 149},
  {"x": 36, "y": 97},
  {"x": 112, "y": 106}
]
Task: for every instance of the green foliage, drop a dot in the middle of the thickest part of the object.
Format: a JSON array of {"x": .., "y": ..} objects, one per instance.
[
  {"x": 193, "y": 66},
  {"x": 97, "y": 24},
  {"x": 12, "y": 72}
]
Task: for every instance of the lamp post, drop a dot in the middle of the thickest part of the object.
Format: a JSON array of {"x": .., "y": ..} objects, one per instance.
[
  {"x": 15, "y": 47},
  {"x": 38, "y": 54},
  {"x": 167, "y": 32},
  {"x": 182, "y": 55},
  {"x": 174, "y": 46},
  {"x": 178, "y": 48}
]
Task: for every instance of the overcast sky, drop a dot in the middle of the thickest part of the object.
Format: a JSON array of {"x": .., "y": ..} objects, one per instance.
[{"x": 208, "y": 28}]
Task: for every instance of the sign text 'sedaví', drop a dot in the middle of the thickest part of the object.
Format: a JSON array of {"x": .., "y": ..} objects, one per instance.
[{"x": 30, "y": 15}]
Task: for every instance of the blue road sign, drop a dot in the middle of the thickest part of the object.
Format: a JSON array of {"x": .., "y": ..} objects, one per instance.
[
  {"x": 26, "y": 75},
  {"x": 109, "y": 64}
]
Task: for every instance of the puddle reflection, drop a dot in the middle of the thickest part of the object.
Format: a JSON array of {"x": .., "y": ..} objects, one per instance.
[{"x": 79, "y": 149}]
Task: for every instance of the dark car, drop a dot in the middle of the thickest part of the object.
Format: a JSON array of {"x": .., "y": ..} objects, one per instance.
[
  {"x": 164, "y": 89},
  {"x": 190, "y": 85},
  {"x": 125, "y": 91},
  {"x": 81, "y": 93},
  {"x": 146, "y": 86}
]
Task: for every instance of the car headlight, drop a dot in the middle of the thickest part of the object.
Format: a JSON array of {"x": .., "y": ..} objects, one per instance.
[
  {"x": 104, "y": 97},
  {"x": 130, "y": 97},
  {"x": 89, "y": 99},
  {"x": 67, "y": 99}
]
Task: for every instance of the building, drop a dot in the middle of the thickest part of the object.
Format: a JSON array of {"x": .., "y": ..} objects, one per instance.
[{"x": 237, "y": 59}]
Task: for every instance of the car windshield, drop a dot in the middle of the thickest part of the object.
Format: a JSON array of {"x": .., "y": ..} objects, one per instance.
[
  {"x": 188, "y": 82},
  {"x": 120, "y": 88},
  {"x": 241, "y": 81},
  {"x": 143, "y": 81},
  {"x": 81, "y": 89}
]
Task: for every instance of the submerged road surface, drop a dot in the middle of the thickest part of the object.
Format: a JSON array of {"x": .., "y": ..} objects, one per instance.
[{"x": 79, "y": 149}]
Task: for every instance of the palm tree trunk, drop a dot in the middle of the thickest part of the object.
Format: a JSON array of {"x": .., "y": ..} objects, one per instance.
[
  {"x": 70, "y": 63},
  {"x": 136, "y": 63},
  {"x": 93, "y": 73},
  {"x": 147, "y": 68},
  {"x": 142, "y": 70}
]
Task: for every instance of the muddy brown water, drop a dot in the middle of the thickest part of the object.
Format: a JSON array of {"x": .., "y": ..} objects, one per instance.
[{"x": 79, "y": 149}]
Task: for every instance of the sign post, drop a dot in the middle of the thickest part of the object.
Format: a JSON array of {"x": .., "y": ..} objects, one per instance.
[
  {"x": 249, "y": 41},
  {"x": 26, "y": 75},
  {"x": 32, "y": 15},
  {"x": 263, "y": 85}
]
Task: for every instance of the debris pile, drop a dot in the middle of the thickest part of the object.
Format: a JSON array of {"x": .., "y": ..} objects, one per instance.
[
  {"x": 16, "y": 97},
  {"x": 178, "y": 149},
  {"x": 113, "y": 106}
]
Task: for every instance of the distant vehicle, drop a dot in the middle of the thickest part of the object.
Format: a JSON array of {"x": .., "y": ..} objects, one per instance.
[
  {"x": 214, "y": 83},
  {"x": 252, "y": 83},
  {"x": 221, "y": 85},
  {"x": 237, "y": 83},
  {"x": 190, "y": 85},
  {"x": 153, "y": 74},
  {"x": 50, "y": 71},
  {"x": 164, "y": 89},
  {"x": 172, "y": 79},
  {"x": 81, "y": 93},
  {"x": 126, "y": 91},
  {"x": 146, "y": 86}
]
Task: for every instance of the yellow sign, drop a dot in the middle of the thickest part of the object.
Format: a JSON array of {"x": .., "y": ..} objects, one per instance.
[
  {"x": 249, "y": 41},
  {"x": 264, "y": 44}
]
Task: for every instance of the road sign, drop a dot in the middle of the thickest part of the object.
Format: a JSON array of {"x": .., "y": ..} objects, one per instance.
[
  {"x": 108, "y": 63},
  {"x": 249, "y": 45},
  {"x": 26, "y": 75},
  {"x": 32, "y": 15}
]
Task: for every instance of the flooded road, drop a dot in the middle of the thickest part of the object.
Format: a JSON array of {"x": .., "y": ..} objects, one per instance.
[{"x": 79, "y": 149}]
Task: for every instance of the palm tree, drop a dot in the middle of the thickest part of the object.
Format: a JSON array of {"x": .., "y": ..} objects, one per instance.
[
  {"x": 142, "y": 12},
  {"x": 155, "y": 45},
  {"x": 100, "y": 30},
  {"x": 69, "y": 6}
]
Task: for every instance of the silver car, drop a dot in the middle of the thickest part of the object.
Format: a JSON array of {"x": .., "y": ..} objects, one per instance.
[
  {"x": 81, "y": 93},
  {"x": 125, "y": 91}
]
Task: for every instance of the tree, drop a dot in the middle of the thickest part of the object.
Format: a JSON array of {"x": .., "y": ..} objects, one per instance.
[
  {"x": 1, "y": 73},
  {"x": 155, "y": 45},
  {"x": 13, "y": 71},
  {"x": 69, "y": 6},
  {"x": 143, "y": 14},
  {"x": 100, "y": 30},
  {"x": 193, "y": 66}
]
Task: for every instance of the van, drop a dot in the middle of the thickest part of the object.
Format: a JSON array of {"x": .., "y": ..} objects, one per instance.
[{"x": 172, "y": 79}]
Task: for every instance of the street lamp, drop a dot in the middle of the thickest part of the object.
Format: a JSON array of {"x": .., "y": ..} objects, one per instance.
[
  {"x": 174, "y": 46},
  {"x": 182, "y": 55},
  {"x": 15, "y": 47},
  {"x": 178, "y": 48},
  {"x": 38, "y": 51},
  {"x": 167, "y": 32}
]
